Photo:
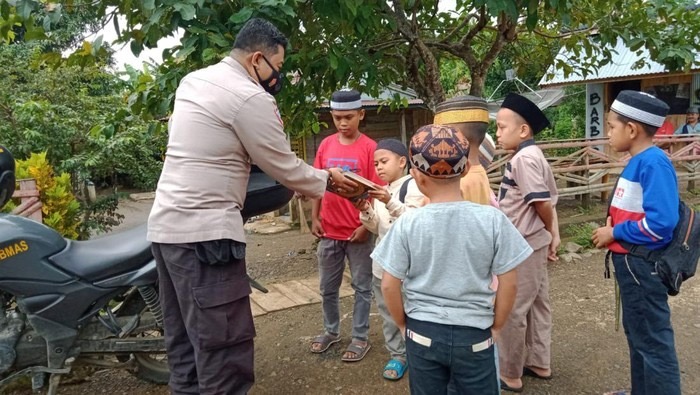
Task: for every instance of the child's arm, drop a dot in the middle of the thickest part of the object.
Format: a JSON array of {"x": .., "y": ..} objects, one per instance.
[
  {"x": 391, "y": 289},
  {"x": 548, "y": 215},
  {"x": 316, "y": 228},
  {"x": 505, "y": 298},
  {"x": 396, "y": 208},
  {"x": 368, "y": 216}
]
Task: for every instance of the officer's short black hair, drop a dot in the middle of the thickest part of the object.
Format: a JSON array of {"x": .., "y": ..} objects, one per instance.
[{"x": 260, "y": 35}]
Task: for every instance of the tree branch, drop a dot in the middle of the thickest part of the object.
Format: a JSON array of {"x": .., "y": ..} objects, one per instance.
[
  {"x": 459, "y": 27},
  {"x": 586, "y": 31},
  {"x": 480, "y": 25}
]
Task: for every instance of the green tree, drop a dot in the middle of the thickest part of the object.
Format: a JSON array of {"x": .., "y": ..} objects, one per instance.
[{"x": 368, "y": 44}]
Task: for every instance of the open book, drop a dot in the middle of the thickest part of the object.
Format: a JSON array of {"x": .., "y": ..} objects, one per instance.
[{"x": 359, "y": 192}]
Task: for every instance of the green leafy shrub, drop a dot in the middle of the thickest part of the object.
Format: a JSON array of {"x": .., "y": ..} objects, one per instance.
[{"x": 61, "y": 210}]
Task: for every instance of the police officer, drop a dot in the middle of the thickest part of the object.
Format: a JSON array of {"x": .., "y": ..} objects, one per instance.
[{"x": 225, "y": 117}]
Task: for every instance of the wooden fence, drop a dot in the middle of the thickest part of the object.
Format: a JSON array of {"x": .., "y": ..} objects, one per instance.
[
  {"x": 584, "y": 167},
  {"x": 30, "y": 206}
]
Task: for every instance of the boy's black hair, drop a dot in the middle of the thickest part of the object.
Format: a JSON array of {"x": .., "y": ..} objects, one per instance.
[
  {"x": 475, "y": 132},
  {"x": 648, "y": 129},
  {"x": 260, "y": 35}
]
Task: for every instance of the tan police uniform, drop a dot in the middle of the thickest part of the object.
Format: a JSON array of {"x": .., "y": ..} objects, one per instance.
[{"x": 223, "y": 120}]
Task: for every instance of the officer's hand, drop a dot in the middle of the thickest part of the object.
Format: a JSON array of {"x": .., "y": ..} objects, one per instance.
[{"x": 339, "y": 181}]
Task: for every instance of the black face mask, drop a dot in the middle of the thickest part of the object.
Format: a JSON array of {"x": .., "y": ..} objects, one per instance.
[{"x": 274, "y": 89}]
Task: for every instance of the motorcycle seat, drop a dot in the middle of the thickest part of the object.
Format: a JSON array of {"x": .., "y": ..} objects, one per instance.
[{"x": 105, "y": 257}]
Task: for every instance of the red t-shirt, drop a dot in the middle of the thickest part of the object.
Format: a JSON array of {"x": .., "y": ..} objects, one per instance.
[
  {"x": 665, "y": 129},
  {"x": 339, "y": 218}
]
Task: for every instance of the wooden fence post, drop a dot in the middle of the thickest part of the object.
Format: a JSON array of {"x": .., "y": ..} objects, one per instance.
[{"x": 30, "y": 206}]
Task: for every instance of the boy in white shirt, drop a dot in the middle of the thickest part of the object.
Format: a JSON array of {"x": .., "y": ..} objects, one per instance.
[{"x": 400, "y": 195}]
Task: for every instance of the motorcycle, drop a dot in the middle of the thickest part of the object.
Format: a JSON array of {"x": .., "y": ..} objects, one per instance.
[{"x": 71, "y": 303}]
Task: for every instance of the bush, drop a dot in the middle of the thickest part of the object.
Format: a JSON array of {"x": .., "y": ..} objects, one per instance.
[{"x": 61, "y": 210}]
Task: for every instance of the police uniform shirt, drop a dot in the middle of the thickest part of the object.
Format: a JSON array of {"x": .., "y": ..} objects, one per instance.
[
  {"x": 223, "y": 120},
  {"x": 528, "y": 179}
]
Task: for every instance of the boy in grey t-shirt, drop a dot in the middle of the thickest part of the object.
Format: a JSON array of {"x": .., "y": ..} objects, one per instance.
[{"x": 444, "y": 254}]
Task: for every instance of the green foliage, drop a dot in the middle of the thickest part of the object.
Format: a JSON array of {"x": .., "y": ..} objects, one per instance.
[
  {"x": 581, "y": 234},
  {"x": 369, "y": 44},
  {"x": 60, "y": 207},
  {"x": 79, "y": 117}
]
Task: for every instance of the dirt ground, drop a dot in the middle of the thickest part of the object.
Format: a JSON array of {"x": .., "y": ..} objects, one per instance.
[{"x": 589, "y": 356}]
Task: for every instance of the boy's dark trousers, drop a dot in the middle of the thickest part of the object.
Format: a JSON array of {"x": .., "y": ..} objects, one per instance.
[
  {"x": 646, "y": 318},
  {"x": 208, "y": 323},
  {"x": 459, "y": 359}
]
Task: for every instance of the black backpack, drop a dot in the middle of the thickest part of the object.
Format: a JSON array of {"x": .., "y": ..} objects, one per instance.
[{"x": 676, "y": 262}]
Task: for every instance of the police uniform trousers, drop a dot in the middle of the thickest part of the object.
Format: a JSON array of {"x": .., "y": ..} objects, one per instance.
[{"x": 208, "y": 322}]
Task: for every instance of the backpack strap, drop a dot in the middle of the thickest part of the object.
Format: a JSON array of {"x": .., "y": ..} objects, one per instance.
[{"x": 404, "y": 190}]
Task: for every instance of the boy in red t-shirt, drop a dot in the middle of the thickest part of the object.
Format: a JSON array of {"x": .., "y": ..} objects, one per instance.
[{"x": 336, "y": 222}]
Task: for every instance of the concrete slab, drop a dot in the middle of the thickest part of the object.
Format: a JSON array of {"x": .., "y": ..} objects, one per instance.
[
  {"x": 298, "y": 292},
  {"x": 272, "y": 301}
]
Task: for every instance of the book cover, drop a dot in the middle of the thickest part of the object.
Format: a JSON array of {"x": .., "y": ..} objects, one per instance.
[{"x": 359, "y": 192}]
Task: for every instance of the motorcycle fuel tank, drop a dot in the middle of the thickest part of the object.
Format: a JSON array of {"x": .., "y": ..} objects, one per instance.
[{"x": 25, "y": 246}]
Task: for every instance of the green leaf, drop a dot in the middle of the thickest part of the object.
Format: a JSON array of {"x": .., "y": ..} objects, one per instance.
[
  {"x": 149, "y": 5},
  {"x": 241, "y": 16},
  {"x": 136, "y": 48},
  {"x": 187, "y": 11},
  {"x": 333, "y": 61},
  {"x": 25, "y": 8},
  {"x": 208, "y": 54}
]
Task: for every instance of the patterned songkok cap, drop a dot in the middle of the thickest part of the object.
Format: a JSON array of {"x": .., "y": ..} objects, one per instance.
[{"x": 439, "y": 151}]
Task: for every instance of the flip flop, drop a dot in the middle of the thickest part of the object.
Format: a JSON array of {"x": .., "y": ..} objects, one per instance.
[
  {"x": 326, "y": 340},
  {"x": 529, "y": 372},
  {"x": 397, "y": 366},
  {"x": 359, "y": 351},
  {"x": 506, "y": 387}
]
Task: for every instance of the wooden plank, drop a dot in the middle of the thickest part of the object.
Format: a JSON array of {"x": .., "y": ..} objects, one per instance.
[
  {"x": 271, "y": 301},
  {"x": 298, "y": 292},
  {"x": 25, "y": 194}
]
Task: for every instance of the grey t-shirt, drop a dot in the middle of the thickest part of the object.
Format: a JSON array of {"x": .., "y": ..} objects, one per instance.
[{"x": 446, "y": 254}]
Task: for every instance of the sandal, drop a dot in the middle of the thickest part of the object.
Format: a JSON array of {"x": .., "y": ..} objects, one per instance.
[
  {"x": 359, "y": 350},
  {"x": 531, "y": 373},
  {"x": 326, "y": 340},
  {"x": 506, "y": 387},
  {"x": 395, "y": 365}
]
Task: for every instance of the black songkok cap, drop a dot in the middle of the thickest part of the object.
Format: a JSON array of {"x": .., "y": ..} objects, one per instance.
[
  {"x": 346, "y": 99},
  {"x": 394, "y": 146},
  {"x": 641, "y": 107},
  {"x": 528, "y": 110}
]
